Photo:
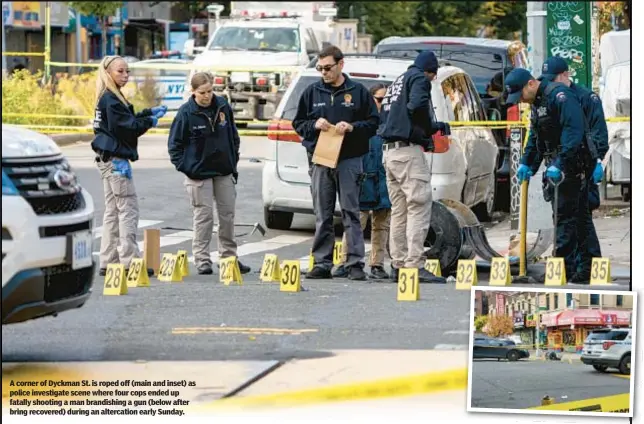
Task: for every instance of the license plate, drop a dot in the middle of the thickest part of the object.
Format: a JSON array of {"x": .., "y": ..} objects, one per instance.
[
  {"x": 81, "y": 249},
  {"x": 239, "y": 77}
]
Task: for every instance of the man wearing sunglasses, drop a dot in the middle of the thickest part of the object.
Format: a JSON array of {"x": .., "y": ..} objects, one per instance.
[
  {"x": 408, "y": 123},
  {"x": 337, "y": 101}
]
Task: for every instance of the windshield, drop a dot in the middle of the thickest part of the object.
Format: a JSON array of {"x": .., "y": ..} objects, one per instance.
[
  {"x": 607, "y": 335},
  {"x": 291, "y": 104},
  {"x": 259, "y": 39},
  {"x": 485, "y": 68}
]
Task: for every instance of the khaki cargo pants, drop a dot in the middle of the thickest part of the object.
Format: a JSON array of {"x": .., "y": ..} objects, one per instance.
[
  {"x": 203, "y": 194},
  {"x": 410, "y": 192},
  {"x": 379, "y": 234},
  {"x": 120, "y": 220}
]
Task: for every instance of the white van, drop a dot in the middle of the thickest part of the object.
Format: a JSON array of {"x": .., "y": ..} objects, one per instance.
[
  {"x": 47, "y": 224},
  {"x": 463, "y": 167}
]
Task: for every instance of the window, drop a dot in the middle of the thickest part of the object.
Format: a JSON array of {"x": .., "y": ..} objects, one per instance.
[
  {"x": 548, "y": 301},
  {"x": 259, "y": 39},
  {"x": 477, "y": 107},
  {"x": 569, "y": 300},
  {"x": 594, "y": 299},
  {"x": 310, "y": 43},
  {"x": 456, "y": 95},
  {"x": 556, "y": 296},
  {"x": 620, "y": 300}
]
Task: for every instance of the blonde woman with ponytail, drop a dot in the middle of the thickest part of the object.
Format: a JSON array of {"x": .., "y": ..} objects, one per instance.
[{"x": 116, "y": 132}]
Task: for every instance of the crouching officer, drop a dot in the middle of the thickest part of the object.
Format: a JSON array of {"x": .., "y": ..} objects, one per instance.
[
  {"x": 556, "y": 69},
  {"x": 557, "y": 134},
  {"x": 408, "y": 123},
  {"x": 204, "y": 146}
]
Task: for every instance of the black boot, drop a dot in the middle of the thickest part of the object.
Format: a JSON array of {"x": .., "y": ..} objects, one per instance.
[
  {"x": 341, "y": 272},
  {"x": 378, "y": 273},
  {"x": 357, "y": 273},
  {"x": 319, "y": 273},
  {"x": 427, "y": 277}
]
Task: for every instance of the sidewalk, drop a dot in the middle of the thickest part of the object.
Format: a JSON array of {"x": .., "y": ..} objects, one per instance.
[{"x": 564, "y": 356}]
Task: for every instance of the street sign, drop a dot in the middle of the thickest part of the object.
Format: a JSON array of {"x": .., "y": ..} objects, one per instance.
[
  {"x": 215, "y": 8},
  {"x": 568, "y": 36},
  {"x": 328, "y": 11}
]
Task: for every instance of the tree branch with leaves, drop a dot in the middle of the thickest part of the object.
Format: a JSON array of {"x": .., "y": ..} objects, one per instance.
[{"x": 101, "y": 10}]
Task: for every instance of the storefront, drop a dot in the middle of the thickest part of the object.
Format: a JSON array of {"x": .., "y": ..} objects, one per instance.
[
  {"x": 568, "y": 329},
  {"x": 526, "y": 334}
]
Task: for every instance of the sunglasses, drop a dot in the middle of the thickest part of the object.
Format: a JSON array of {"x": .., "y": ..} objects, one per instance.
[
  {"x": 326, "y": 68},
  {"x": 379, "y": 99}
]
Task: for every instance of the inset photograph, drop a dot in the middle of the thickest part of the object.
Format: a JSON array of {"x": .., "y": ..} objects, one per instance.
[{"x": 555, "y": 352}]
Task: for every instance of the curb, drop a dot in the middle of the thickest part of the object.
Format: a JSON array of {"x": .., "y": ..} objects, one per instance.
[{"x": 67, "y": 139}]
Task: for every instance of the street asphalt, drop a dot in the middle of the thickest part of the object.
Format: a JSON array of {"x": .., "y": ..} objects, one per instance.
[
  {"x": 202, "y": 319},
  {"x": 522, "y": 384}
]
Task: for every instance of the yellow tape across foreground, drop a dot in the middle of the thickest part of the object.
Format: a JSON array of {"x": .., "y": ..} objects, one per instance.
[
  {"x": 393, "y": 387},
  {"x": 23, "y": 54},
  {"x": 615, "y": 403},
  {"x": 186, "y": 67}
]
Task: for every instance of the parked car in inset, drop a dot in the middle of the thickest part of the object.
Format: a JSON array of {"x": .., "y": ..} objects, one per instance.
[
  {"x": 608, "y": 348},
  {"x": 463, "y": 164},
  {"x": 495, "y": 348}
]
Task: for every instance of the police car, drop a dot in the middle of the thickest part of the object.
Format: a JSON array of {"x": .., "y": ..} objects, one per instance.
[
  {"x": 47, "y": 224},
  {"x": 170, "y": 83},
  {"x": 463, "y": 165},
  {"x": 608, "y": 348}
]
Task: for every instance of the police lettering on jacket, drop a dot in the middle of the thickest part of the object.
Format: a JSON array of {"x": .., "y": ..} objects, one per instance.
[
  {"x": 204, "y": 142},
  {"x": 117, "y": 128},
  {"x": 407, "y": 112},
  {"x": 351, "y": 103},
  {"x": 557, "y": 127}
]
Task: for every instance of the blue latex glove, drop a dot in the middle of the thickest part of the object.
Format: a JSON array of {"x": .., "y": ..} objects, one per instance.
[
  {"x": 524, "y": 173},
  {"x": 553, "y": 173},
  {"x": 159, "y": 111},
  {"x": 598, "y": 173},
  {"x": 155, "y": 120},
  {"x": 122, "y": 167}
]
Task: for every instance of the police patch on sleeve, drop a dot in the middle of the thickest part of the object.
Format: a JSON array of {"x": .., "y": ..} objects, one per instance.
[
  {"x": 561, "y": 97},
  {"x": 595, "y": 98}
]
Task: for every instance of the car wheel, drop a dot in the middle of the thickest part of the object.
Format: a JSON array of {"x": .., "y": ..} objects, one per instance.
[
  {"x": 513, "y": 355},
  {"x": 600, "y": 368},
  {"x": 277, "y": 220},
  {"x": 484, "y": 210},
  {"x": 625, "y": 365}
]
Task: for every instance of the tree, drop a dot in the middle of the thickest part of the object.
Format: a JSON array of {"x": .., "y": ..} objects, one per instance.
[
  {"x": 504, "y": 19},
  {"x": 479, "y": 323},
  {"x": 499, "y": 326},
  {"x": 101, "y": 10},
  {"x": 383, "y": 19},
  {"x": 609, "y": 9},
  {"x": 187, "y": 10}
]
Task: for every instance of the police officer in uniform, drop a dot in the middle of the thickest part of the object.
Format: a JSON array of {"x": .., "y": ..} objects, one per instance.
[
  {"x": 338, "y": 101},
  {"x": 557, "y": 135},
  {"x": 407, "y": 125},
  {"x": 556, "y": 69}
]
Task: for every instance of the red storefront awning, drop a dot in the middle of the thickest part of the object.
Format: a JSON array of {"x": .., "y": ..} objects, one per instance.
[{"x": 593, "y": 317}]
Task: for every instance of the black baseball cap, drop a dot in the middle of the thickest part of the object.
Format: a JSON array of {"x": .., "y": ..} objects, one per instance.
[
  {"x": 553, "y": 66},
  {"x": 514, "y": 83}
]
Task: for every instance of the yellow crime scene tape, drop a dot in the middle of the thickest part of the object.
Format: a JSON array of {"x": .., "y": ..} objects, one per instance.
[
  {"x": 23, "y": 53},
  {"x": 620, "y": 403},
  {"x": 185, "y": 67},
  {"x": 392, "y": 387}
]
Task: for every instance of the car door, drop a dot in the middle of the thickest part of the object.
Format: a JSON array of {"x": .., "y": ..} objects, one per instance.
[{"x": 479, "y": 348}]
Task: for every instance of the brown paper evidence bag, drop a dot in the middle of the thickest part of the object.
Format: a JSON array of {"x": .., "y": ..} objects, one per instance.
[{"x": 327, "y": 149}]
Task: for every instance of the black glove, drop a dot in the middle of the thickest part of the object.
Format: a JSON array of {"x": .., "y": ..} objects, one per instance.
[
  {"x": 444, "y": 128},
  {"x": 235, "y": 177}
]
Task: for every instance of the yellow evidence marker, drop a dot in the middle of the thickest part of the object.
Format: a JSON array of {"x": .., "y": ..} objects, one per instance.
[
  {"x": 270, "y": 271},
  {"x": 466, "y": 276},
  {"x": 600, "y": 272},
  {"x": 169, "y": 270},
  {"x": 500, "y": 272},
  {"x": 138, "y": 274},
  {"x": 229, "y": 271},
  {"x": 433, "y": 266},
  {"x": 408, "y": 284},
  {"x": 555, "y": 272},
  {"x": 115, "y": 284},
  {"x": 290, "y": 277},
  {"x": 182, "y": 259},
  {"x": 337, "y": 253}
]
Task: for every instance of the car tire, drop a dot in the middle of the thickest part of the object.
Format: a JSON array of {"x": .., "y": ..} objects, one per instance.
[
  {"x": 484, "y": 210},
  {"x": 625, "y": 365},
  {"x": 600, "y": 368},
  {"x": 513, "y": 356},
  {"x": 277, "y": 220}
]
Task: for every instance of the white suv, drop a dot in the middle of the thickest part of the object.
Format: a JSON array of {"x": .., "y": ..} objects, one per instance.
[
  {"x": 608, "y": 348},
  {"x": 47, "y": 223},
  {"x": 463, "y": 167}
]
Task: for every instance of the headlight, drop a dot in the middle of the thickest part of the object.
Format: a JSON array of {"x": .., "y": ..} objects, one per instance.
[{"x": 8, "y": 188}]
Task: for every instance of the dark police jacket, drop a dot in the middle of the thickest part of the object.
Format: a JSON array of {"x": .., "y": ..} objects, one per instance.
[
  {"x": 557, "y": 129},
  {"x": 351, "y": 103},
  {"x": 203, "y": 141},
  {"x": 374, "y": 194},
  {"x": 407, "y": 113},
  {"x": 117, "y": 128},
  {"x": 594, "y": 113}
]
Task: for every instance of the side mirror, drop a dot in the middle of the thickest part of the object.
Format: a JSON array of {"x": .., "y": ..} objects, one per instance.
[{"x": 189, "y": 47}]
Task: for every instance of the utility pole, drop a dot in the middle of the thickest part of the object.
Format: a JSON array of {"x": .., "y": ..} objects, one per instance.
[
  {"x": 79, "y": 49},
  {"x": 536, "y": 15},
  {"x": 4, "y": 44},
  {"x": 538, "y": 324}
]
